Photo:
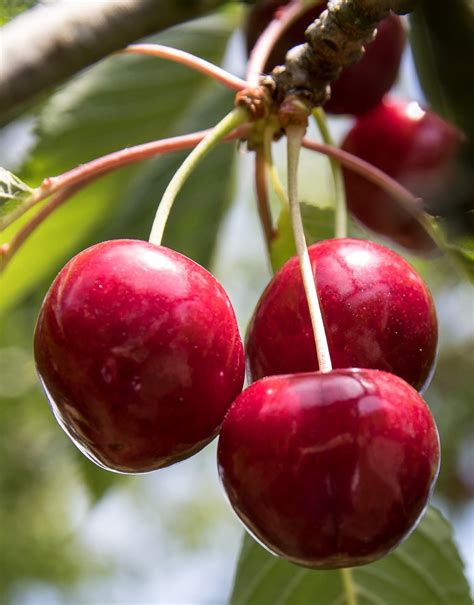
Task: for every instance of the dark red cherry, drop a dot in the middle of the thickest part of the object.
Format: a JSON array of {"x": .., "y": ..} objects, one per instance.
[
  {"x": 361, "y": 86},
  {"x": 329, "y": 470},
  {"x": 377, "y": 312},
  {"x": 260, "y": 15},
  {"x": 415, "y": 147},
  {"x": 139, "y": 352}
]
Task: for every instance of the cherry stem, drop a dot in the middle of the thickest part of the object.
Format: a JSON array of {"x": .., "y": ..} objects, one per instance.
[
  {"x": 295, "y": 136},
  {"x": 107, "y": 163},
  {"x": 409, "y": 202},
  {"x": 340, "y": 206},
  {"x": 185, "y": 58},
  {"x": 282, "y": 19},
  {"x": 261, "y": 180},
  {"x": 272, "y": 171},
  {"x": 232, "y": 120},
  {"x": 348, "y": 585},
  {"x": 73, "y": 181}
]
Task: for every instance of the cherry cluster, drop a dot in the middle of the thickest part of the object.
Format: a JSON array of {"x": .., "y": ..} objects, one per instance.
[{"x": 139, "y": 352}]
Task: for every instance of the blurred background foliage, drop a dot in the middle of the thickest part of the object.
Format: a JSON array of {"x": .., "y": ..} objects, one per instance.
[{"x": 71, "y": 532}]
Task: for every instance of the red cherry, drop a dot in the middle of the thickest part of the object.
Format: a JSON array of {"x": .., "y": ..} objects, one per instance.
[
  {"x": 377, "y": 312},
  {"x": 139, "y": 353},
  {"x": 329, "y": 470},
  {"x": 415, "y": 147},
  {"x": 361, "y": 86}
]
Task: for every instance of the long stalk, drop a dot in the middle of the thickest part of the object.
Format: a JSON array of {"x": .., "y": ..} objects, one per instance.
[
  {"x": 295, "y": 136},
  {"x": 181, "y": 56},
  {"x": 234, "y": 119}
]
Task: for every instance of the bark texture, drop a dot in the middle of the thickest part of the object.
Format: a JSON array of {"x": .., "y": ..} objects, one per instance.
[{"x": 42, "y": 47}]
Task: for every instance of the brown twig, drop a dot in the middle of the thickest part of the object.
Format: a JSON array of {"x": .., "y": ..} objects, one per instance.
[{"x": 336, "y": 39}]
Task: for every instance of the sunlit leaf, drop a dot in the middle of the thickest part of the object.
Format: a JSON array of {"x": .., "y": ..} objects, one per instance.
[{"x": 14, "y": 193}]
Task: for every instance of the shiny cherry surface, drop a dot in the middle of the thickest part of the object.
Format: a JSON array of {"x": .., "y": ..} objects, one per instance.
[
  {"x": 139, "y": 352},
  {"x": 377, "y": 312},
  {"x": 361, "y": 86},
  {"x": 415, "y": 147},
  {"x": 329, "y": 470}
]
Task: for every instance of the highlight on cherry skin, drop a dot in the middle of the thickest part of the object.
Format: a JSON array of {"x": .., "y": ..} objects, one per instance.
[
  {"x": 139, "y": 352},
  {"x": 331, "y": 469},
  {"x": 359, "y": 87},
  {"x": 418, "y": 149},
  {"x": 377, "y": 311}
]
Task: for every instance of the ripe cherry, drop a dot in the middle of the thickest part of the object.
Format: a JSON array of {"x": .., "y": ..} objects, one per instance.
[
  {"x": 415, "y": 147},
  {"x": 139, "y": 353},
  {"x": 361, "y": 86},
  {"x": 329, "y": 469},
  {"x": 377, "y": 312}
]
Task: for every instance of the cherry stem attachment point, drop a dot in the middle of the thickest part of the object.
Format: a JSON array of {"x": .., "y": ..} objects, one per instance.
[
  {"x": 185, "y": 58},
  {"x": 283, "y": 18},
  {"x": 295, "y": 136},
  {"x": 340, "y": 206},
  {"x": 234, "y": 119}
]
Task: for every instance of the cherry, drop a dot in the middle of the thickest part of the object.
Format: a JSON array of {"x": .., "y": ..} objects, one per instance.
[
  {"x": 377, "y": 312},
  {"x": 139, "y": 353},
  {"x": 415, "y": 147},
  {"x": 329, "y": 469},
  {"x": 361, "y": 86}
]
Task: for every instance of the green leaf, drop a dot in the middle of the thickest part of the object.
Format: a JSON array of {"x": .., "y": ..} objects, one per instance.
[
  {"x": 425, "y": 570},
  {"x": 442, "y": 38},
  {"x": 14, "y": 193},
  {"x": 124, "y": 100},
  {"x": 12, "y": 8}
]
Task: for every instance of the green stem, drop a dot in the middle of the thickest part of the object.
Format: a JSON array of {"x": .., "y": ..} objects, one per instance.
[
  {"x": 295, "y": 136},
  {"x": 272, "y": 171},
  {"x": 348, "y": 585},
  {"x": 340, "y": 224},
  {"x": 232, "y": 120}
]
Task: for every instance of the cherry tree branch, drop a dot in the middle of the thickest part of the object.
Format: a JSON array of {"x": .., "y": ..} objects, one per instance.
[
  {"x": 48, "y": 44},
  {"x": 335, "y": 40}
]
